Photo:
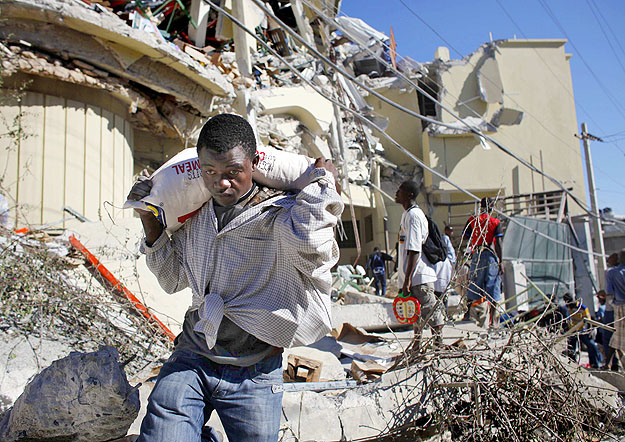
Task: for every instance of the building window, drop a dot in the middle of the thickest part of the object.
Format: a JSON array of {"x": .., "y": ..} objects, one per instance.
[
  {"x": 427, "y": 106},
  {"x": 350, "y": 241},
  {"x": 369, "y": 228}
]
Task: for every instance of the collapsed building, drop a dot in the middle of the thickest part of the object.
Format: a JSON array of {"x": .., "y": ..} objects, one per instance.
[{"x": 96, "y": 91}]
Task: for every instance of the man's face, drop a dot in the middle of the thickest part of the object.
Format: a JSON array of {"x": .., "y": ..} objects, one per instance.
[
  {"x": 402, "y": 196},
  {"x": 227, "y": 176},
  {"x": 449, "y": 232}
]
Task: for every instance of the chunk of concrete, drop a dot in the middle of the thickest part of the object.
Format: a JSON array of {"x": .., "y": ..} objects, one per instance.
[
  {"x": 331, "y": 370},
  {"x": 82, "y": 397},
  {"x": 309, "y": 416},
  {"x": 378, "y": 316}
]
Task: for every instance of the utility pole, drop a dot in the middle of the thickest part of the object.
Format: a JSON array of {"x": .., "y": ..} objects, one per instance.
[{"x": 596, "y": 221}]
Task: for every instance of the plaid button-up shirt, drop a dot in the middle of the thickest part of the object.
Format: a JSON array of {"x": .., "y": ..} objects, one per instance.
[{"x": 267, "y": 270}]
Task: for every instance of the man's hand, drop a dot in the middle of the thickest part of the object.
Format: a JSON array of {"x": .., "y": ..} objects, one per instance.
[
  {"x": 322, "y": 163},
  {"x": 141, "y": 189},
  {"x": 405, "y": 290}
]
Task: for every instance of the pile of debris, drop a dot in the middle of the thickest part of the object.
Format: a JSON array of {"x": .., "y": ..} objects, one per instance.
[{"x": 46, "y": 293}]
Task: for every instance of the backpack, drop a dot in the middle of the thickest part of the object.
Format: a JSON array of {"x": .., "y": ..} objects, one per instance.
[
  {"x": 434, "y": 248},
  {"x": 376, "y": 263}
]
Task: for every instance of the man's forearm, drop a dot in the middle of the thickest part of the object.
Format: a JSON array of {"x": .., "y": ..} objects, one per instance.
[
  {"x": 498, "y": 250},
  {"x": 411, "y": 265},
  {"x": 152, "y": 228}
]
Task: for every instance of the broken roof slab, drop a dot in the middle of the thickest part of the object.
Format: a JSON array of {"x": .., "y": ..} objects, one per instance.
[
  {"x": 313, "y": 110},
  {"x": 102, "y": 39}
]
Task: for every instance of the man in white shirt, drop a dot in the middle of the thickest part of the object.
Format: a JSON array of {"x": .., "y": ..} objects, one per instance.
[{"x": 416, "y": 274}]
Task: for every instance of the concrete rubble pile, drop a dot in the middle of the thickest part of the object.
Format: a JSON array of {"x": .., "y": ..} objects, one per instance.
[{"x": 51, "y": 304}]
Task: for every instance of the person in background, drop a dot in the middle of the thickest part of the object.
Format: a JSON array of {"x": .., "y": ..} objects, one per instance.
[
  {"x": 484, "y": 233},
  {"x": 615, "y": 288},
  {"x": 415, "y": 273},
  {"x": 376, "y": 263},
  {"x": 445, "y": 268},
  {"x": 577, "y": 313},
  {"x": 605, "y": 315},
  {"x": 451, "y": 253}
]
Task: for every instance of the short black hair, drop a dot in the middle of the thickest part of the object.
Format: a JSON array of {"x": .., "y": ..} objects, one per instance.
[
  {"x": 568, "y": 299},
  {"x": 376, "y": 249},
  {"x": 411, "y": 187},
  {"x": 486, "y": 203},
  {"x": 224, "y": 132}
]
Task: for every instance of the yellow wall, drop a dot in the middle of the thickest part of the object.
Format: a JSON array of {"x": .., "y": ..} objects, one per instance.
[
  {"x": 403, "y": 128},
  {"x": 71, "y": 154},
  {"x": 536, "y": 80}
]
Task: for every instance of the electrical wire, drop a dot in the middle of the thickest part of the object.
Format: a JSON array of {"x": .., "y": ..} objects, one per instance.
[
  {"x": 536, "y": 119},
  {"x": 388, "y": 137},
  {"x": 553, "y": 17},
  {"x": 412, "y": 113},
  {"x": 471, "y": 129},
  {"x": 577, "y": 103},
  {"x": 618, "y": 59}
]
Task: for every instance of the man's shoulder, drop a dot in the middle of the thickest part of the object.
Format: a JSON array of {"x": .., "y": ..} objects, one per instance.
[{"x": 415, "y": 212}]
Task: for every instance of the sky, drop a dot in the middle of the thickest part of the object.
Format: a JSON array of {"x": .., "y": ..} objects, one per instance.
[{"x": 595, "y": 39}]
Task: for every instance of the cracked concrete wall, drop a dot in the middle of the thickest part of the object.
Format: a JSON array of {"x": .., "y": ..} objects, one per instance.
[
  {"x": 126, "y": 64},
  {"x": 536, "y": 80}
]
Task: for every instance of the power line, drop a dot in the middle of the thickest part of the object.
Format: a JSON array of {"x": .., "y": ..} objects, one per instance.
[
  {"x": 618, "y": 59},
  {"x": 536, "y": 119},
  {"x": 410, "y": 112},
  {"x": 369, "y": 123},
  {"x": 610, "y": 29},
  {"x": 553, "y": 17},
  {"x": 577, "y": 103}
]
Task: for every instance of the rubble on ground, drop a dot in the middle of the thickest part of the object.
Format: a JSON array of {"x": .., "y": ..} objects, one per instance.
[{"x": 82, "y": 397}]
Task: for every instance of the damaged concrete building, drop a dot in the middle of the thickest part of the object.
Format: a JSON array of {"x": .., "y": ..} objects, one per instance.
[{"x": 105, "y": 96}]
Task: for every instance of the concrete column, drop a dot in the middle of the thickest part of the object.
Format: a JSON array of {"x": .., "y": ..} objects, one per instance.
[
  {"x": 305, "y": 30},
  {"x": 199, "y": 12},
  {"x": 243, "y": 42}
]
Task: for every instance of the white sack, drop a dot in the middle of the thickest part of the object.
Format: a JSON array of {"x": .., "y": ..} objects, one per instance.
[{"x": 178, "y": 190}]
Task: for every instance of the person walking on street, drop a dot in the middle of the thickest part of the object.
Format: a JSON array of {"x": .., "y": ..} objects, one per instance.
[
  {"x": 484, "y": 233},
  {"x": 451, "y": 253},
  {"x": 415, "y": 273},
  {"x": 376, "y": 263}
]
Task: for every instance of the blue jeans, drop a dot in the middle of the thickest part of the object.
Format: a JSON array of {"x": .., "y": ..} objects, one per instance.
[
  {"x": 379, "y": 279},
  {"x": 594, "y": 357},
  {"x": 484, "y": 277},
  {"x": 608, "y": 319},
  {"x": 189, "y": 387}
]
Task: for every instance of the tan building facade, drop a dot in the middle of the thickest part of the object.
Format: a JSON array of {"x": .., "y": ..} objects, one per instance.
[{"x": 520, "y": 93}]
